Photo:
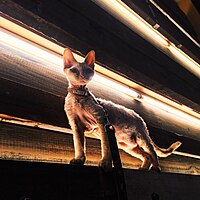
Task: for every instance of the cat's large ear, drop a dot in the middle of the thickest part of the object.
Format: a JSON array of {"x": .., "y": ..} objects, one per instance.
[
  {"x": 68, "y": 58},
  {"x": 90, "y": 59}
]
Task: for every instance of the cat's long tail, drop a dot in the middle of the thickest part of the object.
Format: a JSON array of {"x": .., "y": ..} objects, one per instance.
[{"x": 161, "y": 152}]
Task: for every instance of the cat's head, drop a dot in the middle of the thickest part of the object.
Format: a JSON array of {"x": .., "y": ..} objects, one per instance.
[{"x": 78, "y": 74}]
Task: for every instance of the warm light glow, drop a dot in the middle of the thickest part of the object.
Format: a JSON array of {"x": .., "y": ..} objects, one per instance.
[
  {"x": 169, "y": 109},
  {"x": 38, "y": 52},
  {"x": 108, "y": 78},
  {"x": 191, "y": 65},
  {"x": 132, "y": 20},
  {"x": 141, "y": 24},
  {"x": 114, "y": 85},
  {"x": 27, "y": 47},
  {"x": 175, "y": 23}
]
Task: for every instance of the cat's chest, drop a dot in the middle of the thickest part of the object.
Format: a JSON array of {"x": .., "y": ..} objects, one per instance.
[
  {"x": 83, "y": 104},
  {"x": 81, "y": 108},
  {"x": 78, "y": 105}
]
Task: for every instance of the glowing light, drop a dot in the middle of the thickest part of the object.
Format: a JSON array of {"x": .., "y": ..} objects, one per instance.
[
  {"x": 175, "y": 23},
  {"x": 27, "y": 47},
  {"x": 169, "y": 109},
  {"x": 131, "y": 19},
  {"x": 37, "y": 51},
  {"x": 114, "y": 85},
  {"x": 190, "y": 64}
]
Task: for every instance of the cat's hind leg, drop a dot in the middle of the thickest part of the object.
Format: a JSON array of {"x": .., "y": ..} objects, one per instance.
[
  {"x": 144, "y": 142},
  {"x": 139, "y": 153},
  {"x": 154, "y": 158}
]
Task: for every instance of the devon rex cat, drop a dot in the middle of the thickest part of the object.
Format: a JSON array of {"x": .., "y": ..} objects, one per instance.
[{"x": 87, "y": 114}]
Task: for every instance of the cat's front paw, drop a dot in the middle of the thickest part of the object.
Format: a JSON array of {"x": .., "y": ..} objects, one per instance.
[
  {"x": 78, "y": 161},
  {"x": 106, "y": 165},
  {"x": 156, "y": 169},
  {"x": 143, "y": 169}
]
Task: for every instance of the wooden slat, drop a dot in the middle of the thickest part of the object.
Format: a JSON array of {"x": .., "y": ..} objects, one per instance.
[
  {"x": 154, "y": 16},
  {"x": 34, "y": 144}
]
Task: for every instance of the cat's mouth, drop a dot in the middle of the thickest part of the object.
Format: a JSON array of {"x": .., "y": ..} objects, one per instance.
[{"x": 82, "y": 81}]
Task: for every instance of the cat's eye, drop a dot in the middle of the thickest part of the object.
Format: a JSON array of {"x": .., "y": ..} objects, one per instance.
[
  {"x": 89, "y": 71},
  {"x": 75, "y": 71}
]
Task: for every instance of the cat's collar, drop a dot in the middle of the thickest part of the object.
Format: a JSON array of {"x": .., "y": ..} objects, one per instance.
[{"x": 81, "y": 92}]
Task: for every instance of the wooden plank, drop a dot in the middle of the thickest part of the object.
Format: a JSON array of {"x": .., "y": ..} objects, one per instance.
[
  {"x": 54, "y": 181},
  {"x": 35, "y": 144}
]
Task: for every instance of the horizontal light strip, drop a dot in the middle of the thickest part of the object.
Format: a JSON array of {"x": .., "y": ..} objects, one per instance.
[
  {"x": 115, "y": 85},
  {"x": 131, "y": 19},
  {"x": 27, "y": 47},
  {"x": 104, "y": 76},
  {"x": 167, "y": 108},
  {"x": 186, "y": 154},
  {"x": 22, "y": 30},
  {"x": 25, "y": 122},
  {"x": 175, "y": 23}
]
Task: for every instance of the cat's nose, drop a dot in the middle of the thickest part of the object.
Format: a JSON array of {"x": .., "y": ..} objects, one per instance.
[{"x": 82, "y": 76}]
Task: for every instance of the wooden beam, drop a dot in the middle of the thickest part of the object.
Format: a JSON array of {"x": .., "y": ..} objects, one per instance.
[
  {"x": 161, "y": 137},
  {"x": 34, "y": 144}
]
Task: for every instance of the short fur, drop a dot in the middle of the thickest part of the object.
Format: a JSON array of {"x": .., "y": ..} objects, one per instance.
[{"x": 86, "y": 115}]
